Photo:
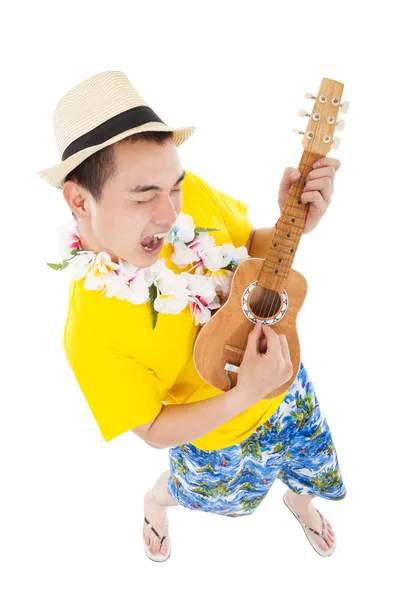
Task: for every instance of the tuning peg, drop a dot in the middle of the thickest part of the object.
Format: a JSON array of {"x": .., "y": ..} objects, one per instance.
[
  {"x": 298, "y": 131},
  {"x": 336, "y": 143},
  {"x": 303, "y": 113},
  {"x": 345, "y": 106},
  {"x": 340, "y": 124},
  {"x": 309, "y": 96}
]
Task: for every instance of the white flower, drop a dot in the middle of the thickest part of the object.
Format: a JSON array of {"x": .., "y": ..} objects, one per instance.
[
  {"x": 203, "y": 297},
  {"x": 80, "y": 263},
  {"x": 172, "y": 294},
  {"x": 98, "y": 271},
  {"x": 183, "y": 255},
  {"x": 115, "y": 286},
  {"x": 182, "y": 230},
  {"x": 238, "y": 255},
  {"x": 138, "y": 288},
  {"x": 155, "y": 271},
  {"x": 222, "y": 280}
]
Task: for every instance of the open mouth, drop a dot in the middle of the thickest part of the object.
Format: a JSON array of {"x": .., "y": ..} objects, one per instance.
[{"x": 152, "y": 244}]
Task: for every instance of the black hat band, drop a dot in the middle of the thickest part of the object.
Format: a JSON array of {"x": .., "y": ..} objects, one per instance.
[{"x": 134, "y": 117}]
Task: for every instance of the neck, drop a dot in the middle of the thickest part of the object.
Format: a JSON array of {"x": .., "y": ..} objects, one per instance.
[{"x": 90, "y": 242}]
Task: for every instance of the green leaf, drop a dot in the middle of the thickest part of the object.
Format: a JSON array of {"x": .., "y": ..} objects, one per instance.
[
  {"x": 230, "y": 267},
  {"x": 202, "y": 229},
  {"x": 153, "y": 296},
  {"x": 58, "y": 266}
]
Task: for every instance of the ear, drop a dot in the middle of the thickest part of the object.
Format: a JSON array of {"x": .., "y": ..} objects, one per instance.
[{"x": 77, "y": 199}]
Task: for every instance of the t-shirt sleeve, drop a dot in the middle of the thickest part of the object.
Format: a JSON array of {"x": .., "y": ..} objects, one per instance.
[
  {"x": 121, "y": 393},
  {"x": 233, "y": 212}
]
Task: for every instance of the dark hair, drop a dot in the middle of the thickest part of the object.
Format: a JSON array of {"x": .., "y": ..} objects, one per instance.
[{"x": 97, "y": 169}]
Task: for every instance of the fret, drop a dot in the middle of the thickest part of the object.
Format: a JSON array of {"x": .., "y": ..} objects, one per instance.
[
  {"x": 298, "y": 206},
  {"x": 290, "y": 224},
  {"x": 292, "y": 235},
  {"x": 282, "y": 251},
  {"x": 285, "y": 245},
  {"x": 271, "y": 271},
  {"x": 277, "y": 263},
  {"x": 274, "y": 276}
]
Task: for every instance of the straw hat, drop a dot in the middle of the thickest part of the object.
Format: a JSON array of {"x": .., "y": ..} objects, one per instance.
[{"x": 96, "y": 113}]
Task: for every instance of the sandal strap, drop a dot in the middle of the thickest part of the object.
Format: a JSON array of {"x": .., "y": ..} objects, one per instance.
[
  {"x": 154, "y": 531},
  {"x": 317, "y": 532}
]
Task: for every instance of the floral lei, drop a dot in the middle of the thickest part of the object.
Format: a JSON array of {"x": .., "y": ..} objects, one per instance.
[{"x": 168, "y": 292}]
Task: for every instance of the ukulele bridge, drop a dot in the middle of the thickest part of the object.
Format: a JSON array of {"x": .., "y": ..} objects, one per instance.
[{"x": 233, "y": 368}]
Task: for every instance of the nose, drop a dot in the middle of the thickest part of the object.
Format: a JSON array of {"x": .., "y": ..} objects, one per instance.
[{"x": 165, "y": 213}]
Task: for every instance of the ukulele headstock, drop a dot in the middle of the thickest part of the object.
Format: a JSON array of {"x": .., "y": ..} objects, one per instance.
[{"x": 318, "y": 137}]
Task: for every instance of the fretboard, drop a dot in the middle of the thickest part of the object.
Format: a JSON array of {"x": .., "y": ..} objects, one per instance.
[{"x": 288, "y": 232}]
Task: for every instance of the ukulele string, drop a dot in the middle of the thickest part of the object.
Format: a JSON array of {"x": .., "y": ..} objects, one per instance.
[{"x": 272, "y": 304}]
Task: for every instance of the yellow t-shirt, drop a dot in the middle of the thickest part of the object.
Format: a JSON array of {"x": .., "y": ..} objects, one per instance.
[{"x": 127, "y": 370}]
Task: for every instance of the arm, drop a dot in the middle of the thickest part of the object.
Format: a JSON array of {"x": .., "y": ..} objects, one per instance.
[
  {"x": 181, "y": 423},
  {"x": 259, "y": 241}
]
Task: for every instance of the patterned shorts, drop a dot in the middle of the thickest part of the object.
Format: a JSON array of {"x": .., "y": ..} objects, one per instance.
[{"x": 295, "y": 445}]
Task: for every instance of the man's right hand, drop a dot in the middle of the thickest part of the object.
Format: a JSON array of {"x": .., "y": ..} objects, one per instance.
[{"x": 266, "y": 364}]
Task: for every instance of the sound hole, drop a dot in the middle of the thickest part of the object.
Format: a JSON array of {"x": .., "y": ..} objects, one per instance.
[{"x": 264, "y": 303}]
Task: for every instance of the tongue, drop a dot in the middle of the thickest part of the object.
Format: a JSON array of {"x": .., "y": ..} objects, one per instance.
[{"x": 147, "y": 241}]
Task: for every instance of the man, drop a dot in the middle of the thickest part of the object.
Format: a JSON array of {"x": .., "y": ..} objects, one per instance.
[{"x": 121, "y": 177}]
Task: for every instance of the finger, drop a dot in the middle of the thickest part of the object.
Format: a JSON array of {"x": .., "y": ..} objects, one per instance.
[
  {"x": 316, "y": 201},
  {"x": 284, "y": 347},
  {"x": 252, "y": 340},
  {"x": 325, "y": 162},
  {"x": 321, "y": 172},
  {"x": 271, "y": 336},
  {"x": 323, "y": 185},
  {"x": 290, "y": 175}
]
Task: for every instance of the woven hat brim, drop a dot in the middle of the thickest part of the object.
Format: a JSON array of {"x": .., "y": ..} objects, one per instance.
[{"x": 55, "y": 175}]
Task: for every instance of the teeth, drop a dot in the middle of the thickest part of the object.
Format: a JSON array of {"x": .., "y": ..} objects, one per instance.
[{"x": 160, "y": 235}]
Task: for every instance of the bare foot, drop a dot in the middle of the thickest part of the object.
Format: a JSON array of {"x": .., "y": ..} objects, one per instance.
[
  {"x": 157, "y": 515},
  {"x": 309, "y": 515}
]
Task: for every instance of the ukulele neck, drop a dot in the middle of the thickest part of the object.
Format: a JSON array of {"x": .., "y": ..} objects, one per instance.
[{"x": 288, "y": 231}]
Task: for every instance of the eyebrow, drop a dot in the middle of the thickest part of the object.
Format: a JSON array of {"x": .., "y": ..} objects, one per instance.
[{"x": 139, "y": 189}]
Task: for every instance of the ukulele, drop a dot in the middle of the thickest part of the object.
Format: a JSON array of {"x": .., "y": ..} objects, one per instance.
[{"x": 269, "y": 290}]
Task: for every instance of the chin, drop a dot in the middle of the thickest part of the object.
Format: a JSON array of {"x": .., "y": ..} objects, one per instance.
[{"x": 142, "y": 261}]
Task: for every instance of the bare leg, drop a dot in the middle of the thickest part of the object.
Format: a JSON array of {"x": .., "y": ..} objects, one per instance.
[
  {"x": 301, "y": 503},
  {"x": 156, "y": 502}
]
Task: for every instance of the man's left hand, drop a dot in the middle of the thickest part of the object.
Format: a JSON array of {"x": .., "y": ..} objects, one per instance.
[{"x": 317, "y": 191}]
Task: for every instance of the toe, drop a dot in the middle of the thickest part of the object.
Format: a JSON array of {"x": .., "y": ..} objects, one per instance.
[
  {"x": 322, "y": 544},
  {"x": 331, "y": 532},
  {"x": 146, "y": 537}
]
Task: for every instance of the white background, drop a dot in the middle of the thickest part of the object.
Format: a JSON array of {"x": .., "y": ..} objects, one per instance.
[{"x": 71, "y": 504}]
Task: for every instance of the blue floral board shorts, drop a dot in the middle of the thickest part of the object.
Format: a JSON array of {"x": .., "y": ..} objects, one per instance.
[{"x": 294, "y": 445}]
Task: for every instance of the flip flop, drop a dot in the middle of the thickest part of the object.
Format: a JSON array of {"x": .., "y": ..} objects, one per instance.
[
  {"x": 157, "y": 557},
  {"x": 306, "y": 528}
]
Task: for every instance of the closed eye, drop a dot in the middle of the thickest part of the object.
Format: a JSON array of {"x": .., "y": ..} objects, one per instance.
[{"x": 150, "y": 199}]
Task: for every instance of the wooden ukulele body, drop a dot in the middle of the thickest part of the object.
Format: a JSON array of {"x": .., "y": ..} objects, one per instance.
[{"x": 221, "y": 342}]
